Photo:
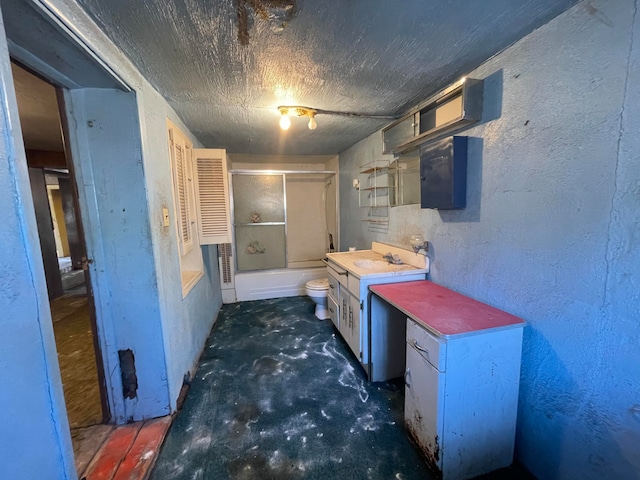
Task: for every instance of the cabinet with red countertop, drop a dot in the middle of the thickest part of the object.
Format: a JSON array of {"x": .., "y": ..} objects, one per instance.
[{"x": 462, "y": 377}]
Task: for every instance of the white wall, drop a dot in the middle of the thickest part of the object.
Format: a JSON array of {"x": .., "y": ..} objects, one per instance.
[
  {"x": 550, "y": 233},
  {"x": 283, "y": 162},
  {"x": 303, "y": 163}
]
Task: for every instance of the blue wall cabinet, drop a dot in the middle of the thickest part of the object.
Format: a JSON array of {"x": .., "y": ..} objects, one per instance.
[{"x": 443, "y": 173}]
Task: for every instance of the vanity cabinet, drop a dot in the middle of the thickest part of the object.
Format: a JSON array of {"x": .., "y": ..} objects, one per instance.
[
  {"x": 350, "y": 328},
  {"x": 461, "y": 378},
  {"x": 333, "y": 297},
  {"x": 348, "y": 295},
  {"x": 334, "y": 311},
  {"x": 344, "y": 308}
]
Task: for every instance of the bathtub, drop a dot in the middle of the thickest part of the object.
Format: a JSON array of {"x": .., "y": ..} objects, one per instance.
[{"x": 287, "y": 282}]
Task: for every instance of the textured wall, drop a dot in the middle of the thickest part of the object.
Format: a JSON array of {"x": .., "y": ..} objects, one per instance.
[
  {"x": 550, "y": 233},
  {"x": 122, "y": 155},
  {"x": 35, "y": 440},
  {"x": 184, "y": 323}
]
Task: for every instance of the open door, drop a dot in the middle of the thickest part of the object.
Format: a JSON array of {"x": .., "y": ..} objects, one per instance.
[
  {"x": 79, "y": 252},
  {"x": 55, "y": 194}
]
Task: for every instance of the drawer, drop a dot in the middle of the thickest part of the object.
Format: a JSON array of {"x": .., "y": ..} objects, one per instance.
[
  {"x": 334, "y": 287},
  {"x": 338, "y": 273},
  {"x": 429, "y": 346},
  {"x": 354, "y": 285}
]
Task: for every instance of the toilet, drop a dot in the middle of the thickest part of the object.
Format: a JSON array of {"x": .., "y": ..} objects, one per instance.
[{"x": 317, "y": 290}]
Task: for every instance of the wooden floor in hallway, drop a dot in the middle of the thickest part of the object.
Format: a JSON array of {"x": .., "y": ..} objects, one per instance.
[
  {"x": 77, "y": 359},
  {"x": 125, "y": 452}
]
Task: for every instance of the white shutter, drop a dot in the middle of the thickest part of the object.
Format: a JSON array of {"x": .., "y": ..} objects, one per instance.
[
  {"x": 181, "y": 170},
  {"x": 212, "y": 196}
]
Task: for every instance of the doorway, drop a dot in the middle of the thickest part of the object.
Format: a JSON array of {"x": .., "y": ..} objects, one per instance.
[{"x": 63, "y": 254}]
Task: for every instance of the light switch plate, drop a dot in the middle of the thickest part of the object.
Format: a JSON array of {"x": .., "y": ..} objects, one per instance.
[{"x": 165, "y": 217}]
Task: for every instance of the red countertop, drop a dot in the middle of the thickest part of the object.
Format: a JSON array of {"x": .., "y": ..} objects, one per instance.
[{"x": 442, "y": 310}]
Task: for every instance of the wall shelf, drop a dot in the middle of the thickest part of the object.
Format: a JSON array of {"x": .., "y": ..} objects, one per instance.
[
  {"x": 445, "y": 112},
  {"x": 374, "y": 190}
]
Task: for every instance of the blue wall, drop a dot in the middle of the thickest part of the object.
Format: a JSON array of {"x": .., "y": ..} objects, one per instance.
[
  {"x": 550, "y": 233},
  {"x": 186, "y": 322},
  {"x": 34, "y": 439},
  {"x": 120, "y": 149},
  {"x": 172, "y": 329}
]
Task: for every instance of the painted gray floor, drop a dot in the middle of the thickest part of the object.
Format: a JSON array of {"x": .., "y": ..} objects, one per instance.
[{"x": 277, "y": 395}]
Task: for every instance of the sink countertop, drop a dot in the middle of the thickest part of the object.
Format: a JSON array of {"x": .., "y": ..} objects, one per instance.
[{"x": 346, "y": 260}]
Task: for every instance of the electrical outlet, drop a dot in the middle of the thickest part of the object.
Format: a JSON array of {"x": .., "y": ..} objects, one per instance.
[{"x": 165, "y": 217}]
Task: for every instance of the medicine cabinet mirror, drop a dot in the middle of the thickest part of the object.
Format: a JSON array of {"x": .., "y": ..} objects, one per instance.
[{"x": 404, "y": 179}]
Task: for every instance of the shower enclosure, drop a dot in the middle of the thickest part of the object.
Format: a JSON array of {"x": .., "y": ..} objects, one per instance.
[{"x": 283, "y": 222}]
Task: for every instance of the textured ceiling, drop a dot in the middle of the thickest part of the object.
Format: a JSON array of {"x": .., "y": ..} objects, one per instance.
[{"x": 366, "y": 56}]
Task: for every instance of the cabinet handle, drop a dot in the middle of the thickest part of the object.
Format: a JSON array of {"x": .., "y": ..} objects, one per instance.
[
  {"x": 331, "y": 309},
  {"x": 350, "y": 317},
  {"x": 407, "y": 374},
  {"x": 331, "y": 286},
  {"x": 417, "y": 346}
]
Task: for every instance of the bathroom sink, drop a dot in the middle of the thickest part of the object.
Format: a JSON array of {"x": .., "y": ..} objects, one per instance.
[{"x": 370, "y": 264}]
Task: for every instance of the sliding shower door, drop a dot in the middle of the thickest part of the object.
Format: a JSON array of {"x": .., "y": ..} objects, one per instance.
[
  {"x": 259, "y": 221},
  {"x": 308, "y": 212}
]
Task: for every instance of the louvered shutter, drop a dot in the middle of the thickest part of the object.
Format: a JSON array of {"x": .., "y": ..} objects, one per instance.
[
  {"x": 181, "y": 154},
  {"x": 212, "y": 196}
]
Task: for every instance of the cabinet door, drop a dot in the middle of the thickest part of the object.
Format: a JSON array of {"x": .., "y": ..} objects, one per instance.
[
  {"x": 423, "y": 405},
  {"x": 354, "y": 326},
  {"x": 334, "y": 311},
  {"x": 344, "y": 312}
]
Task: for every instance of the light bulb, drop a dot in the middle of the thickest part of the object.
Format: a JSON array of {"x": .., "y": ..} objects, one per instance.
[
  {"x": 285, "y": 122},
  {"x": 312, "y": 123}
]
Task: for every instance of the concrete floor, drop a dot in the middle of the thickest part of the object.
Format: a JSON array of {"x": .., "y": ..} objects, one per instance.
[{"x": 277, "y": 395}]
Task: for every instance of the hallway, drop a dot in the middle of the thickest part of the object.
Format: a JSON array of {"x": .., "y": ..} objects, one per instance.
[
  {"x": 278, "y": 396},
  {"x": 77, "y": 357}
]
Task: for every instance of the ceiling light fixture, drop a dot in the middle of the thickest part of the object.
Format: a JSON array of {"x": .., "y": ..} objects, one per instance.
[
  {"x": 285, "y": 112},
  {"x": 300, "y": 111}
]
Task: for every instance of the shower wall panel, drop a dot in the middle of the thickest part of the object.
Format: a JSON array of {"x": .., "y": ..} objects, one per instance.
[{"x": 307, "y": 237}]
